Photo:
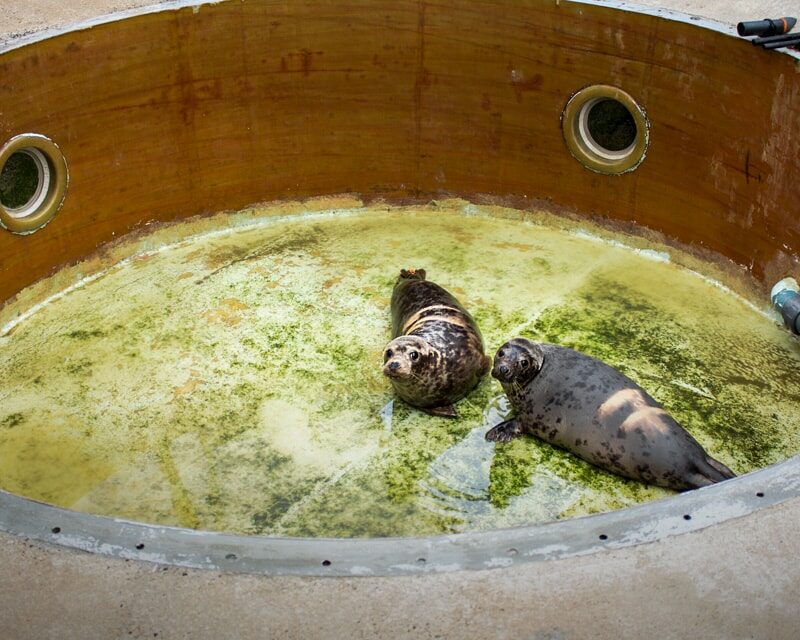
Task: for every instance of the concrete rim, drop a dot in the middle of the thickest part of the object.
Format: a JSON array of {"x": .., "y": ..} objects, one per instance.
[
  {"x": 682, "y": 514},
  {"x": 16, "y": 42}
]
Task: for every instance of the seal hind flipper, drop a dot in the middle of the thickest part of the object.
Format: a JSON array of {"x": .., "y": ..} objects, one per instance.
[
  {"x": 702, "y": 472},
  {"x": 695, "y": 480},
  {"x": 412, "y": 274},
  {"x": 725, "y": 471},
  {"x": 445, "y": 411},
  {"x": 505, "y": 431}
]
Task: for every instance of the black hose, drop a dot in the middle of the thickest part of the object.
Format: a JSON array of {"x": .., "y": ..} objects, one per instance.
[
  {"x": 786, "y": 43},
  {"x": 766, "y": 27},
  {"x": 787, "y": 302}
]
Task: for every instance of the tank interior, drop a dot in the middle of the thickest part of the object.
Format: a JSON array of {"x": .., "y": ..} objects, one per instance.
[
  {"x": 187, "y": 338},
  {"x": 231, "y": 380}
]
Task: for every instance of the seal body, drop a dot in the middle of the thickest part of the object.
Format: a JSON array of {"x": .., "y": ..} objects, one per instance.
[
  {"x": 592, "y": 410},
  {"x": 436, "y": 355}
]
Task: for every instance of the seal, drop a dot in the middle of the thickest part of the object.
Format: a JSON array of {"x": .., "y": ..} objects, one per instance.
[
  {"x": 583, "y": 405},
  {"x": 436, "y": 355}
]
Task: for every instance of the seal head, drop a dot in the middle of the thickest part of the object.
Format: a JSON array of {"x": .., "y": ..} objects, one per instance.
[
  {"x": 407, "y": 358},
  {"x": 518, "y": 361}
]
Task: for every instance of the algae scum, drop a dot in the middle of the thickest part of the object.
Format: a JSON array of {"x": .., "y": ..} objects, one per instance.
[{"x": 233, "y": 381}]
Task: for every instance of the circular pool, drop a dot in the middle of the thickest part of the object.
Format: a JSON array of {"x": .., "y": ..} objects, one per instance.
[{"x": 167, "y": 115}]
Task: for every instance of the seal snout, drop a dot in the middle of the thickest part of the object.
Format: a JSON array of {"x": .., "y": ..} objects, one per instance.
[
  {"x": 392, "y": 369},
  {"x": 501, "y": 371}
]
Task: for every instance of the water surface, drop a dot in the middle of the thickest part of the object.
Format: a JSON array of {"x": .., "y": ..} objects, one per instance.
[{"x": 233, "y": 381}]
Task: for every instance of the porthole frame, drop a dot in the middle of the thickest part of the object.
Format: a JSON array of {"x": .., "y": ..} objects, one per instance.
[
  {"x": 52, "y": 187},
  {"x": 582, "y": 145}
]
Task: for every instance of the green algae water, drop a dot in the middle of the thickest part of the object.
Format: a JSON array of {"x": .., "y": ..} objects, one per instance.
[{"x": 232, "y": 380}]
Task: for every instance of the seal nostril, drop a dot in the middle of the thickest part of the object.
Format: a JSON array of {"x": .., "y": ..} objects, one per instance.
[{"x": 394, "y": 366}]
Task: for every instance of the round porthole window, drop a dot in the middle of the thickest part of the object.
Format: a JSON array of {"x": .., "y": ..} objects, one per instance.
[
  {"x": 606, "y": 129},
  {"x": 33, "y": 182}
]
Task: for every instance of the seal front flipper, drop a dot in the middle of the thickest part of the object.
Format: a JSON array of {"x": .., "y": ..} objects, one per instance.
[
  {"x": 505, "y": 431},
  {"x": 446, "y": 411}
]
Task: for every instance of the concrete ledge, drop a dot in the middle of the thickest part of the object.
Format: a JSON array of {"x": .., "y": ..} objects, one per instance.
[{"x": 688, "y": 512}]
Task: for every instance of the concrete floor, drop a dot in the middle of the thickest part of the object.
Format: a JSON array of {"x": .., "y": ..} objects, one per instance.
[{"x": 730, "y": 581}]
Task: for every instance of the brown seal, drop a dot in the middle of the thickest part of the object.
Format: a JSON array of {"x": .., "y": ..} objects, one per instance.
[
  {"x": 436, "y": 356},
  {"x": 589, "y": 408}
]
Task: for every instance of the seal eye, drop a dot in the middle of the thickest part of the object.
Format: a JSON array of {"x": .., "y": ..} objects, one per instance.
[
  {"x": 524, "y": 363},
  {"x": 501, "y": 353},
  {"x": 414, "y": 355},
  {"x": 389, "y": 353}
]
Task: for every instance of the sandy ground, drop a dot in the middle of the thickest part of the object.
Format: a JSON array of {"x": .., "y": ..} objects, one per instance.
[{"x": 19, "y": 17}]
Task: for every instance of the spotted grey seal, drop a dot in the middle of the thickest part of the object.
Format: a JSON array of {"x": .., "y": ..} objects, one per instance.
[
  {"x": 436, "y": 355},
  {"x": 592, "y": 410}
]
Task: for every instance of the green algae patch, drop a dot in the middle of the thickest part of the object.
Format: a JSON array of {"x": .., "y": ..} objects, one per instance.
[{"x": 232, "y": 380}]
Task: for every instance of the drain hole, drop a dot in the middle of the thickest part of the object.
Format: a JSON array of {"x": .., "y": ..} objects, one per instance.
[
  {"x": 603, "y": 536},
  {"x": 421, "y": 560},
  {"x": 687, "y": 517},
  {"x": 140, "y": 546},
  {"x": 230, "y": 556},
  {"x": 33, "y": 182},
  {"x": 760, "y": 494},
  {"x": 326, "y": 563},
  {"x": 605, "y": 129},
  {"x": 21, "y": 178},
  {"x": 512, "y": 552},
  {"x": 56, "y": 529},
  {"x": 610, "y": 125}
]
